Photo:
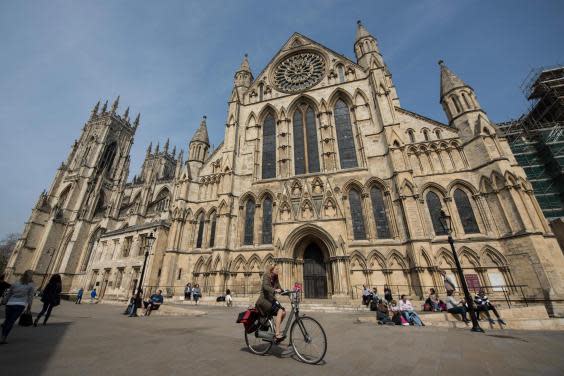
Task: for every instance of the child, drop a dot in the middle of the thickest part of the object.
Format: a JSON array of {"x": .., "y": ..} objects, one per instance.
[{"x": 228, "y": 298}]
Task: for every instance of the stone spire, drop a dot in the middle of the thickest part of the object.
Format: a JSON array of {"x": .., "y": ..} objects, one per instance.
[
  {"x": 166, "y": 145},
  {"x": 361, "y": 31},
  {"x": 157, "y": 148},
  {"x": 245, "y": 64},
  {"x": 95, "y": 109},
  {"x": 137, "y": 119},
  {"x": 201, "y": 134},
  {"x": 449, "y": 81},
  {"x": 115, "y": 105},
  {"x": 150, "y": 148},
  {"x": 174, "y": 151},
  {"x": 243, "y": 76},
  {"x": 126, "y": 114},
  {"x": 105, "y": 107}
]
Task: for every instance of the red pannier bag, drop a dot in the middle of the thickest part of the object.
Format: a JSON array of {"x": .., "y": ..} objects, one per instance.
[{"x": 249, "y": 319}]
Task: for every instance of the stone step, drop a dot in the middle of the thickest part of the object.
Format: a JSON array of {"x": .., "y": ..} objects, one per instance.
[{"x": 532, "y": 317}]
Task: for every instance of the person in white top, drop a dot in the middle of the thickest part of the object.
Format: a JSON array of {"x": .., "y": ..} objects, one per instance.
[
  {"x": 408, "y": 313},
  {"x": 18, "y": 299},
  {"x": 228, "y": 298}
]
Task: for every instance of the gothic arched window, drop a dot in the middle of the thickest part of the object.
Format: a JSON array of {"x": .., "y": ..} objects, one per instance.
[
  {"x": 345, "y": 138},
  {"x": 379, "y": 210},
  {"x": 355, "y": 204},
  {"x": 261, "y": 92},
  {"x": 200, "y": 238},
  {"x": 341, "y": 72},
  {"x": 212, "y": 228},
  {"x": 438, "y": 134},
  {"x": 248, "y": 236},
  {"x": 465, "y": 212},
  {"x": 434, "y": 206},
  {"x": 108, "y": 156},
  {"x": 306, "y": 155},
  {"x": 267, "y": 221},
  {"x": 91, "y": 244},
  {"x": 456, "y": 103},
  {"x": 426, "y": 134},
  {"x": 411, "y": 135},
  {"x": 268, "y": 147}
]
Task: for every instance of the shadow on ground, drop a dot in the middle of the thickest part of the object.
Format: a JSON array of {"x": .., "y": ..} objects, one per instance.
[{"x": 29, "y": 349}]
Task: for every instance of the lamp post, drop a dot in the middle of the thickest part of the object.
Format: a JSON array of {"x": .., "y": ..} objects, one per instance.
[
  {"x": 149, "y": 243},
  {"x": 447, "y": 226}
]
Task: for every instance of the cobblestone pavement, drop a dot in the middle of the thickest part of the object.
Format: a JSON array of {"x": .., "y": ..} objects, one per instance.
[{"x": 97, "y": 340}]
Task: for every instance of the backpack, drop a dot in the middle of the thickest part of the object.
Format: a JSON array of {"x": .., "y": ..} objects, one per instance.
[{"x": 249, "y": 319}]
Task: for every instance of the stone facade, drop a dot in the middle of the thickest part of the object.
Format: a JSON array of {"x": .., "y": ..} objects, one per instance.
[{"x": 321, "y": 171}]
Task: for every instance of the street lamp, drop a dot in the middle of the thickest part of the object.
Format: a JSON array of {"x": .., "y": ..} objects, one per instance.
[
  {"x": 148, "y": 244},
  {"x": 446, "y": 222}
]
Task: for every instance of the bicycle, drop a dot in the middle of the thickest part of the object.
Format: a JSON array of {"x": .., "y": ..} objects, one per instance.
[{"x": 307, "y": 337}]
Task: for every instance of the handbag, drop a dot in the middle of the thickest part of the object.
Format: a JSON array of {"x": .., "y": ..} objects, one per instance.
[{"x": 25, "y": 319}]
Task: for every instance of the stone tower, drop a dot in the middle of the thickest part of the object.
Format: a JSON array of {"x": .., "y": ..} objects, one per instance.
[
  {"x": 84, "y": 196},
  {"x": 199, "y": 146}
]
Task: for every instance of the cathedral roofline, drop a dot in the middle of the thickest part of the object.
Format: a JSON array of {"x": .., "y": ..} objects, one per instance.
[
  {"x": 425, "y": 118},
  {"x": 282, "y": 51}
]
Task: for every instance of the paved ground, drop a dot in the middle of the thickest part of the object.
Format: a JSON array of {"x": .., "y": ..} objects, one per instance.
[{"x": 98, "y": 340}]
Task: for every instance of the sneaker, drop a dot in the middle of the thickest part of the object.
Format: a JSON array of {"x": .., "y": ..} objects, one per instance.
[
  {"x": 501, "y": 322},
  {"x": 492, "y": 321}
]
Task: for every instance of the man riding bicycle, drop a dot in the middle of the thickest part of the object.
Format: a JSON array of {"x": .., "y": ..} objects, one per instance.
[{"x": 266, "y": 304}]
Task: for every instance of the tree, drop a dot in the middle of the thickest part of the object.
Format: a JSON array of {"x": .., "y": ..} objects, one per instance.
[{"x": 7, "y": 245}]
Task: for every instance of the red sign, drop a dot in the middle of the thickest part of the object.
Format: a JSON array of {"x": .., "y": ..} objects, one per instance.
[{"x": 472, "y": 281}]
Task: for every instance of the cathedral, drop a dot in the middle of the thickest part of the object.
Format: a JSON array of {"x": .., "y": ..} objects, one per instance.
[{"x": 321, "y": 171}]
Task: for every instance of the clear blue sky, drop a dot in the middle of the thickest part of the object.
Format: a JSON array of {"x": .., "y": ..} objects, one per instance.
[{"x": 174, "y": 61}]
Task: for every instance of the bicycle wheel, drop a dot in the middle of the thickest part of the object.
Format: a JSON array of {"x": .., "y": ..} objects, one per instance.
[
  {"x": 308, "y": 340},
  {"x": 259, "y": 345}
]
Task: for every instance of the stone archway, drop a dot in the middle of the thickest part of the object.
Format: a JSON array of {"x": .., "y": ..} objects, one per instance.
[{"x": 310, "y": 257}]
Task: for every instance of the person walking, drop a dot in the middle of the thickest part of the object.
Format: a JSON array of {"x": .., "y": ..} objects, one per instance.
[
  {"x": 51, "y": 298},
  {"x": 188, "y": 292},
  {"x": 196, "y": 293},
  {"x": 79, "y": 296},
  {"x": 18, "y": 299},
  {"x": 92, "y": 295}
]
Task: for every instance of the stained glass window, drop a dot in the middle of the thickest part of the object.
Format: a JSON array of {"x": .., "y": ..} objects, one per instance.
[
  {"x": 249, "y": 223},
  {"x": 267, "y": 221},
  {"x": 212, "y": 229},
  {"x": 379, "y": 210},
  {"x": 200, "y": 238},
  {"x": 355, "y": 203},
  {"x": 268, "y": 148},
  {"x": 311, "y": 135},
  {"x": 299, "y": 144},
  {"x": 434, "y": 206},
  {"x": 345, "y": 139},
  {"x": 306, "y": 154},
  {"x": 465, "y": 212}
]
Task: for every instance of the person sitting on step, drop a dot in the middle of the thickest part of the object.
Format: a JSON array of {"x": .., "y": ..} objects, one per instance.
[
  {"x": 483, "y": 305},
  {"x": 154, "y": 302},
  {"x": 406, "y": 309},
  {"x": 455, "y": 307}
]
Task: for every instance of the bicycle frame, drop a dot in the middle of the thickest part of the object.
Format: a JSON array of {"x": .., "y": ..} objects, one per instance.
[{"x": 293, "y": 316}]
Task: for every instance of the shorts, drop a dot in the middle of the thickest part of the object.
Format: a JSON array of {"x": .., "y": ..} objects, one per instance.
[{"x": 276, "y": 306}]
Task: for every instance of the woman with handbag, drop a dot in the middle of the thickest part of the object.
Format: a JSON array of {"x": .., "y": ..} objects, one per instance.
[
  {"x": 18, "y": 301},
  {"x": 51, "y": 298}
]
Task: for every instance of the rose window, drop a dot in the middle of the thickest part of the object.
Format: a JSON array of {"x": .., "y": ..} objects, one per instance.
[{"x": 299, "y": 72}]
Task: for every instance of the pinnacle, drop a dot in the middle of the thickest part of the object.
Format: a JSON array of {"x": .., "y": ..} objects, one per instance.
[
  {"x": 245, "y": 64},
  {"x": 201, "y": 134},
  {"x": 449, "y": 80},
  {"x": 361, "y": 31}
]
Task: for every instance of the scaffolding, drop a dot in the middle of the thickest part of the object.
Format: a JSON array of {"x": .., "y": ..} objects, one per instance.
[{"x": 537, "y": 138}]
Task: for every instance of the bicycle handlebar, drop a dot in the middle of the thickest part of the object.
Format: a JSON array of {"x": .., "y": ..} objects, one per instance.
[{"x": 288, "y": 292}]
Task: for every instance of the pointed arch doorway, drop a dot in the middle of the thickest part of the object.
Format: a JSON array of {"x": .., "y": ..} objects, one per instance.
[{"x": 314, "y": 273}]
